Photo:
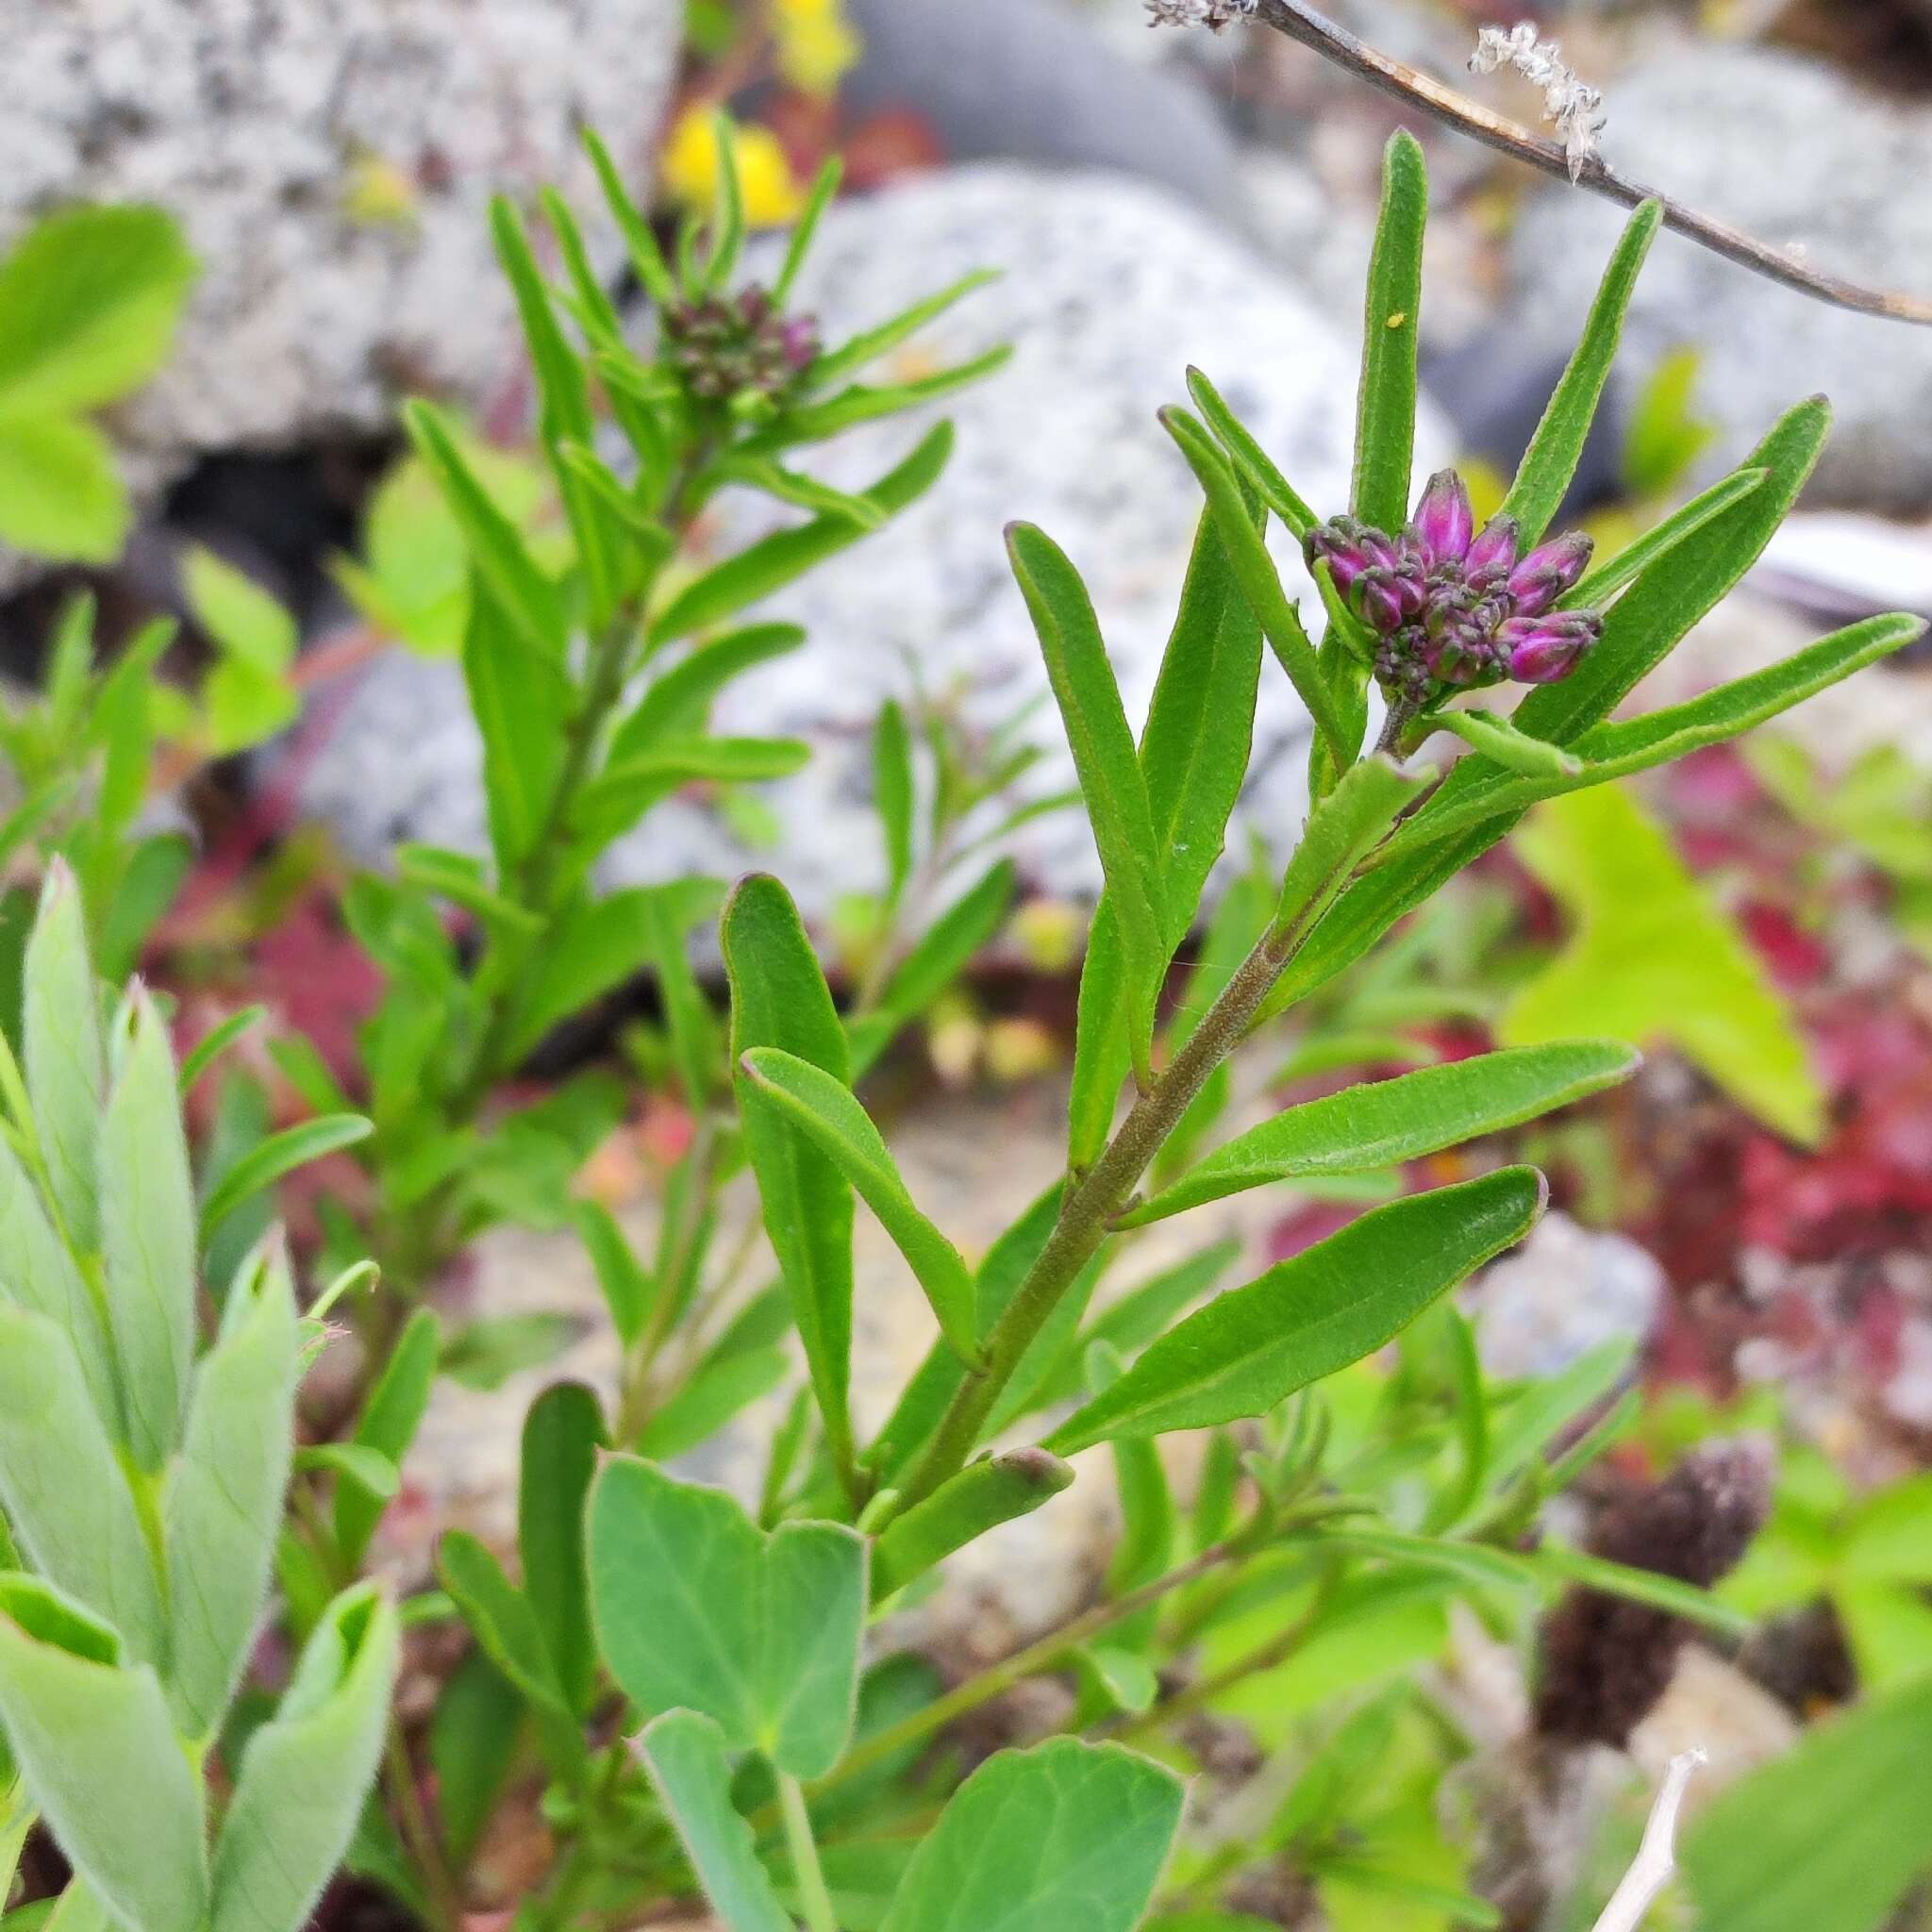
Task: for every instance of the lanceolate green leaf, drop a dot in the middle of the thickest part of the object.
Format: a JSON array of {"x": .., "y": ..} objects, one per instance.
[
  {"x": 1384, "y": 406},
  {"x": 779, "y": 998},
  {"x": 828, "y": 1114},
  {"x": 304, "y": 1775},
  {"x": 1067, "y": 1836},
  {"x": 979, "y": 1498},
  {"x": 1644, "y": 629},
  {"x": 66, "y": 1064},
  {"x": 1616, "y": 573},
  {"x": 521, "y": 699},
  {"x": 100, "y": 1757},
  {"x": 893, "y": 795},
  {"x": 1386, "y": 1123},
  {"x": 280, "y": 1153},
  {"x": 1307, "y": 1317},
  {"x": 147, "y": 1231},
  {"x": 869, "y": 344},
  {"x": 562, "y": 1435},
  {"x": 684, "y": 1751},
  {"x": 388, "y": 1425},
  {"x": 1500, "y": 741},
  {"x": 224, "y": 1498},
  {"x": 1104, "y": 755},
  {"x": 695, "y": 1605},
  {"x": 1255, "y": 466},
  {"x": 677, "y": 703},
  {"x": 1544, "y": 475},
  {"x": 775, "y": 561},
  {"x": 66, "y": 1497},
  {"x": 1341, "y": 831}
]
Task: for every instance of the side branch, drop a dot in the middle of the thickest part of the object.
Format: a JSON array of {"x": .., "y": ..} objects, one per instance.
[{"x": 1302, "y": 22}]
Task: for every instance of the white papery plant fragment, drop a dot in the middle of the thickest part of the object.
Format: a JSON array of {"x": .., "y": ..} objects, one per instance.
[
  {"x": 1571, "y": 104},
  {"x": 1210, "y": 13},
  {"x": 1656, "y": 1857}
]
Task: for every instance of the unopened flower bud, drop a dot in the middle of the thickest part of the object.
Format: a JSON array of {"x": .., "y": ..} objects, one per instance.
[
  {"x": 1541, "y": 649},
  {"x": 1495, "y": 548},
  {"x": 1550, "y": 572},
  {"x": 1444, "y": 521}
]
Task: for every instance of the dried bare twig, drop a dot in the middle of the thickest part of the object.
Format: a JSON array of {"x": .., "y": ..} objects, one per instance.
[
  {"x": 1657, "y": 1858},
  {"x": 1302, "y": 22}
]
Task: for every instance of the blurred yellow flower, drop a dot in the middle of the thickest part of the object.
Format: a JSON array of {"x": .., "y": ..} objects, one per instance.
[
  {"x": 817, "y": 47},
  {"x": 772, "y": 192}
]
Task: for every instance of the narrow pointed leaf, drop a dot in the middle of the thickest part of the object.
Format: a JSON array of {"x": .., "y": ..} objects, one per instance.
[
  {"x": 614, "y": 801},
  {"x": 1307, "y": 1317},
  {"x": 66, "y": 1496},
  {"x": 647, "y": 258},
  {"x": 1609, "y": 579},
  {"x": 677, "y": 703},
  {"x": 819, "y": 197},
  {"x": 93, "y": 1737},
  {"x": 1255, "y": 466},
  {"x": 979, "y": 1498},
  {"x": 521, "y": 699},
  {"x": 389, "y": 1422},
  {"x": 815, "y": 422},
  {"x": 1067, "y": 1836},
  {"x": 893, "y": 795},
  {"x": 829, "y": 1115},
  {"x": 1500, "y": 741},
  {"x": 281, "y": 1153},
  {"x": 684, "y": 1751},
  {"x": 779, "y": 998},
  {"x": 1543, "y": 477},
  {"x": 869, "y": 344},
  {"x": 304, "y": 1775},
  {"x": 66, "y": 1063},
  {"x": 224, "y": 1498},
  {"x": 1385, "y": 404}
]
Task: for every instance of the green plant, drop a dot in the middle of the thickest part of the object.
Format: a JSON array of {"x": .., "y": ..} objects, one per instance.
[{"x": 142, "y": 1474}]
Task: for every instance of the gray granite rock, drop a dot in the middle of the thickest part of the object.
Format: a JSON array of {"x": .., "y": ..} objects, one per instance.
[
  {"x": 254, "y": 121},
  {"x": 1110, "y": 289},
  {"x": 1566, "y": 1291},
  {"x": 1795, "y": 154}
]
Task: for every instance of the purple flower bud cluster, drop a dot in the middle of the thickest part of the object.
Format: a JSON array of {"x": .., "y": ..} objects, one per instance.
[
  {"x": 1452, "y": 606},
  {"x": 728, "y": 344}
]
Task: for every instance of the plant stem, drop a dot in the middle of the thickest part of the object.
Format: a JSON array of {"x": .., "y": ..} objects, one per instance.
[
  {"x": 812, "y": 1895},
  {"x": 1093, "y": 1201},
  {"x": 399, "y": 1777}
]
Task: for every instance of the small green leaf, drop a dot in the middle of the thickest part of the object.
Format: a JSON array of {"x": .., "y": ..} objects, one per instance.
[
  {"x": 647, "y": 258},
  {"x": 892, "y": 794},
  {"x": 1149, "y": 1522},
  {"x": 1385, "y": 1122},
  {"x": 1257, "y": 468},
  {"x": 694, "y": 1605},
  {"x": 1341, "y": 831},
  {"x": 1499, "y": 741},
  {"x": 61, "y": 496},
  {"x": 1307, "y": 1317},
  {"x": 825, "y": 1111},
  {"x": 472, "y": 1746},
  {"x": 355, "y": 1462},
  {"x": 1067, "y": 1836},
  {"x": 216, "y": 1042},
  {"x": 147, "y": 1230},
  {"x": 869, "y": 344},
  {"x": 225, "y": 1498},
  {"x": 979, "y": 1498},
  {"x": 816, "y": 421},
  {"x": 94, "y": 1740},
  {"x": 280, "y": 1153},
  {"x": 677, "y": 703},
  {"x": 66, "y": 1063},
  {"x": 67, "y": 1499},
  {"x": 303, "y": 1776},
  {"x": 684, "y": 1751},
  {"x": 779, "y": 998},
  {"x": 1544, "y": 477},
  {"x": 623, "y": 792},
  {"x": 628, "y": 1289},
  {"x": 1384, "y": 406},
  {"x": 1652, "y": 961},
  {"x": 563, "y": 1434},
  {"x": 1596, "y": 591},
  {"x": 714, "y": 1394},
  {"x": 1104, "y": 755},
  {"x": 389, "y": 1418},
  {"x": 521, "y": 699}
]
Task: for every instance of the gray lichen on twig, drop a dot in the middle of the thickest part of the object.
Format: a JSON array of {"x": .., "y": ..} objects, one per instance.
[
  {"x": 1209, "y": 13},
  {"x": 1571, "y": 104}
]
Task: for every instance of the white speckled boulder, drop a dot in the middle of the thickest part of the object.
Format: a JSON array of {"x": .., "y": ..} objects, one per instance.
[
  {"x": 1110, "y": 289},
  {"x": 252, "y": 121}
]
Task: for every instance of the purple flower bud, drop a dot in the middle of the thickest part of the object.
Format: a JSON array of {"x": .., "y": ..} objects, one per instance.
[
  {"x": 1444, "y": 521},
  {"x": 1379, "y": 599},
  {"x": 1339, "y": 545},
  {"x": 799, "y": 341},
  {"x": 1543, "y": 649},
  {"x": 1550, "y": 572},
  {"x": 1495, "y": 548},
  {"x": 1457, "y": 648}
]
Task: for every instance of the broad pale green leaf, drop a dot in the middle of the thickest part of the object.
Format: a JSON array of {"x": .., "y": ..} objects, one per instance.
[
  {"x": 66, "y": 1063},
  {"x": 388, "y": 1425},
  {"x": 61, "y": 496},
  {"x": 1255, "y": 466},
  {"x": 695, "y": 1606},
  {"x": 521, "y": 699},
  {"x": 1259, "y": 578},
  {"x": 940, "y": 955},
  {"x": 773, "y": 562},
  {"x": 1543, "y": 477},
  {"x": 89, "y": 300},
  {"x": 677, "y": 703},
  {"x": 1110, "y": 770},
  {"x": 1307, "y": 1317},
  {"x": 530, "y": 606},
  {"x": 245, "y": 622},
  {"x": 66, "y": 1496},
  {"x": 1385, "y": 1123},
  {"x": 1830, "y": 1834},
  {"x": 93, "y": 1738},
  {"x": 1653, "y": 960},
  {"x": 825, "y": 1111},
  {"x": 684, "y": 1751},
  {"x": 1067, "y": 1836},
  {"x": 281, "y": 1153},
  {"x": 979, "y": 1498},
  {"x": 562, "y": 1435},
  {"x": 225, "y": 1498},
  {"x": 147, "y": 1231},
  {"x": 303, "y": 1776},
  {"x": 1644, "y": 629},
  {"x": 892, "y": 794},
  {"x": 1498, "y": 740},
  {"x": 779, "y": 998},
  {"x": 1385, "y": 404},
  {"x": 1616, "y": 573},
  {"x": 38, "y": 1273}
]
